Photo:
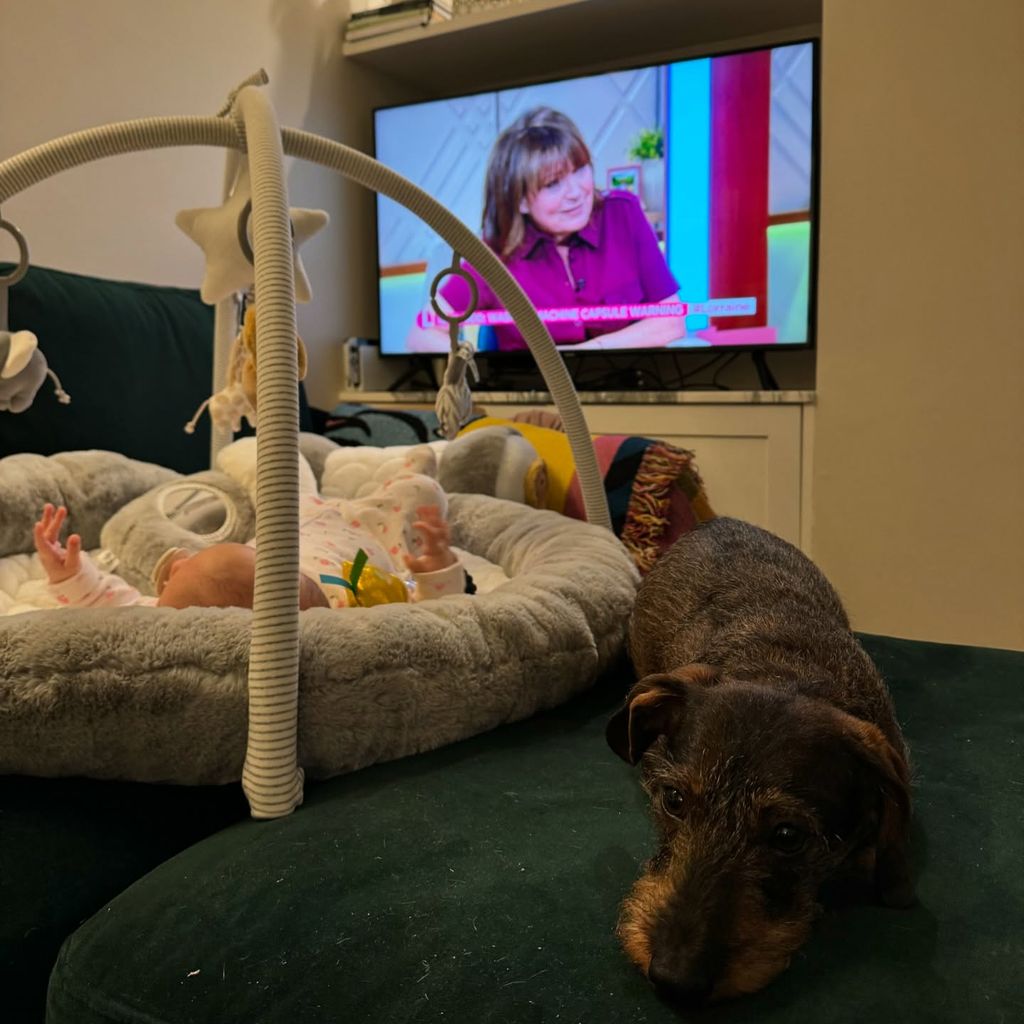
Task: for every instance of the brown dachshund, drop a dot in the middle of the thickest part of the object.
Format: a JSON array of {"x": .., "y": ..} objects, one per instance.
[{"x": 771, "y": 754}]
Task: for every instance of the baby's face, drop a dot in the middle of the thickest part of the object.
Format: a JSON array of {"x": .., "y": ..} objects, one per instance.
[{"x": 217, "y": 577}]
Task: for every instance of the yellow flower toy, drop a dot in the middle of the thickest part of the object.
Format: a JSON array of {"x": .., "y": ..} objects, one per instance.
[{"x": 365, "y": 585}]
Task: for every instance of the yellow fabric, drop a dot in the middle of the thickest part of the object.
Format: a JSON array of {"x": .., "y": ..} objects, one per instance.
[
  {"x": 552, "y": 446},
  {"x": 247, "y": 340}
]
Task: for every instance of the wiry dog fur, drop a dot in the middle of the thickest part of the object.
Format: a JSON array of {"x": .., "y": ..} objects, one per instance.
[{"x": 771, "y": 754}]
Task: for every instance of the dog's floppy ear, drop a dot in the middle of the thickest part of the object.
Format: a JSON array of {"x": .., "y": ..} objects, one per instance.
[
  {"x": 650, "y": 707},
  {"x": 894, "y": 884}
]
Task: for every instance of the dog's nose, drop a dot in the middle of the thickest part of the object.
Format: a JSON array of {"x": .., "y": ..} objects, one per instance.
[{"x": 680, "y": 979}]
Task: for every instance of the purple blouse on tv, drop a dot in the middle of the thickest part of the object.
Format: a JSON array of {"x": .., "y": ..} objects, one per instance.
[{"x": 614, "y": 260}]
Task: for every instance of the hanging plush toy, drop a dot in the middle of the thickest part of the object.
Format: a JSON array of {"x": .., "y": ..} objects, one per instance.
[
  {"x": 22, "y": 372},
  {"x": 237, "y": 399},
  {"x": 22, "y": 366}
]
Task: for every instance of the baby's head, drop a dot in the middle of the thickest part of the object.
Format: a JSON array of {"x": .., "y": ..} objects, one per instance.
[{"x": 220, "y": 576}]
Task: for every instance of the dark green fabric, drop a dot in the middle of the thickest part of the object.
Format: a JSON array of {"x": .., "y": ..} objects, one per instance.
[
  {"x": 354, "y": 423},
  {"x": 480, "y": 883},
  {"x": 135, "y": 358},
  {"x": 67, "y": 846}
]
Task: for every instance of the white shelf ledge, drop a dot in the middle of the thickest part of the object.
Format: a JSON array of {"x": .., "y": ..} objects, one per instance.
[
  {"x": 535, "y": 39},
  {"x": 506, "y": 15}
]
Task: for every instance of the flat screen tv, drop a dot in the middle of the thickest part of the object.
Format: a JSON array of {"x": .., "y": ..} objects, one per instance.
[{"x": 671, "y": 206}]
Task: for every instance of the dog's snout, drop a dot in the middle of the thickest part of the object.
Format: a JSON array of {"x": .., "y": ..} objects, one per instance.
[{"x": 682, "y": 979}]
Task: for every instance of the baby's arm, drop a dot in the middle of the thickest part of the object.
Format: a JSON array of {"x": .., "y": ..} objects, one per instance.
[
  {"x": 74, "y": 579},
  {"x": 435, "y": 552},
  {"x": 436, "y": 569},
  {"x": 92, "y": 588},
  {"x": 59, "y": 562}
]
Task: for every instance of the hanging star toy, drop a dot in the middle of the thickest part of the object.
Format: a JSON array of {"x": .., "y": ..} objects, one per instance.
[{"x": 225, "y": 236}]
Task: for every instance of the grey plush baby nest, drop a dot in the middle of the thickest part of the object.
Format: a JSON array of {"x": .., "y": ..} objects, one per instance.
[{"x": 159, "y": 695}]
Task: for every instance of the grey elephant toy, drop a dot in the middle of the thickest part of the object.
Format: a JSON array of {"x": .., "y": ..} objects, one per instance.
[{"x": 23, "y": 369}]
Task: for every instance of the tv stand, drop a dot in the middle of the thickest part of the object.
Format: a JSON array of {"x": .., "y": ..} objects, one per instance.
[
  {"x": 649, "y": 371},
  {"x": 764, "y": 373}
]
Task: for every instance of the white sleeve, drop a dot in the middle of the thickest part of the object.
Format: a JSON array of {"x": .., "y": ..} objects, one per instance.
[
  {"x": 450, "y": 580},
  {"x": 91, "y": 588}
]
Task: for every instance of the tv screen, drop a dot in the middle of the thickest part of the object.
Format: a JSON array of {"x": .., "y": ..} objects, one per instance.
[{"x": 663, "y": 207}]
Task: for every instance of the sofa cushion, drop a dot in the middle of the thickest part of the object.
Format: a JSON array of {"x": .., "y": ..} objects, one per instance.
[{"x": 481, "y": 883}]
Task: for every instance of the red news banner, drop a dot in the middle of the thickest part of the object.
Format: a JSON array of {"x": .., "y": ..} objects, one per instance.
[{"x": 634, "y": 311}]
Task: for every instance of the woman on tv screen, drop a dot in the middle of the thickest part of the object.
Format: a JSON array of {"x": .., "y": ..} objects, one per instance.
[{"x": 578, "y": 253}]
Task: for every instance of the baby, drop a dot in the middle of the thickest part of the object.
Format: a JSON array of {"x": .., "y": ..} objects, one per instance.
[{"x": 402, "y": 527}]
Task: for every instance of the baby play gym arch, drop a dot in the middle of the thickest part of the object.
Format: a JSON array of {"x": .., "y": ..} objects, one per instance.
[{"x": 271, "y": 777}]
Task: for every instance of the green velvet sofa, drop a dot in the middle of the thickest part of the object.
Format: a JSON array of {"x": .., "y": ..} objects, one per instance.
[{"x": 479, "y": 882}]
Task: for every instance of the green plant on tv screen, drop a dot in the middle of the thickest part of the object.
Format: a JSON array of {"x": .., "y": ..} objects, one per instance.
[{"x": 648, "y": 145}]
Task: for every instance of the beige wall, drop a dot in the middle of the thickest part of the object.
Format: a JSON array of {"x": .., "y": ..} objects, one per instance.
[
  {"x": 919, "y": 446},
  {"x": 76, "y": 65},
  {"x": 918, "y": 481}
]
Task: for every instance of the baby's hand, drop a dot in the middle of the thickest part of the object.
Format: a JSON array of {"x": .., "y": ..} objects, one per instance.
[
  {"x": 59, "y": 562},
  {"x": 436, "y": 553}
]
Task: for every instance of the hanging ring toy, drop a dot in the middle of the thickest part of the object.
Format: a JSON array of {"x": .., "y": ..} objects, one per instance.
[
  {"x": 17, "y": 273},
  {"x": 454, "y": 404},
  {"x": 243, "y": 232},
  {"x": 22, "y": 268},
  {"x": 474, "y": 294},
  {"x": 23, "y": 368}
]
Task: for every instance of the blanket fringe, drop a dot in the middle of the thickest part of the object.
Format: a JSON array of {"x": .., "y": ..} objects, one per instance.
[{"x": 647, "y": 515}]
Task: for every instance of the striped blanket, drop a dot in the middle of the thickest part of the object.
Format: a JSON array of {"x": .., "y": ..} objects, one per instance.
[{"x": 654, "y": 490}]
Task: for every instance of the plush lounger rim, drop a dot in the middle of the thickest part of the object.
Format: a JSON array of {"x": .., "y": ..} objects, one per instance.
[{"x": 159, "y": 695}]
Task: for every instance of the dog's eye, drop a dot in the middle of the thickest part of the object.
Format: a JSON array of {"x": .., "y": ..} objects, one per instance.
[
  {"x": 787, "y": 838},
  {"x": 672, "y": 800}
]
